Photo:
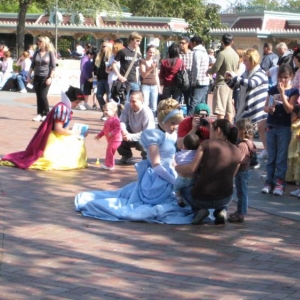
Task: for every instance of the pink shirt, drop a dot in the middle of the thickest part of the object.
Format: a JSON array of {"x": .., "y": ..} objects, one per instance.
[{"x": 111, "y": 130}]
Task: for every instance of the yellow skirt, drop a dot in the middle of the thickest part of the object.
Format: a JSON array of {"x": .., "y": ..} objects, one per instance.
[{"x": 62, "y": 152}]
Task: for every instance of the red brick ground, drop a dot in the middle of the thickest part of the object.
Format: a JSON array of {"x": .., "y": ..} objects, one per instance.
[{"x": 48, "y": 251}]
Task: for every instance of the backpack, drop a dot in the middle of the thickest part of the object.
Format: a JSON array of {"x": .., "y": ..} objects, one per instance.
[
  {"x": 254, "y": 163},
  {"x": 182, "y": 79}
]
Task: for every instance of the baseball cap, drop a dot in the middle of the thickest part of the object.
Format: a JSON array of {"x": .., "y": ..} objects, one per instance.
[
  {"x": 186, "y": 38},
  {"x": 201, "y": 107}
]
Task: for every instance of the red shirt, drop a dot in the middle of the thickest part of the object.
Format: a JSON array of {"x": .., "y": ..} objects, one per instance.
[{"x": 185, "y": 127}]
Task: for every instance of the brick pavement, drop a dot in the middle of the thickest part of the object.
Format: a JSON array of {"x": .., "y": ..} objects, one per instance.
[{"x": 48, "y": 251}]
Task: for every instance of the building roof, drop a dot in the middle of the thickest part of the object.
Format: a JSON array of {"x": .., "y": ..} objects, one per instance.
[
  {"x": 101, "y": 25},
  {"x": 263, "y": 24}
]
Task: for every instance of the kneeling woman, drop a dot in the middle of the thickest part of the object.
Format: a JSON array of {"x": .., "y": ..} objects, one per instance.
[
  {"x": 215, "y": 165},
  {"x": 54, "y": 146}
]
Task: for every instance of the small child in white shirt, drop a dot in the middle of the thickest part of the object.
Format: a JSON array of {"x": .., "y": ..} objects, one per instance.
[{"x": 185, "y": 156}]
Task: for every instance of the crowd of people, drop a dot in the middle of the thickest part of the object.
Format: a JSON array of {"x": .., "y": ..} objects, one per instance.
[{"x": 189, "y": 164}]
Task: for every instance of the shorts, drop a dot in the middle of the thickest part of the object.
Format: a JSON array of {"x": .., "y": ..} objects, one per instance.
[
  {"x": 86, "y": 88},
  {"x": 222, "y": 101}
]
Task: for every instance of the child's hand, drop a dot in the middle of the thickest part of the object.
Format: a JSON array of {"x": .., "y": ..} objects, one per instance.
[
  {"x": 97, "y": 137},
  {"x": 281, "y": 88}
]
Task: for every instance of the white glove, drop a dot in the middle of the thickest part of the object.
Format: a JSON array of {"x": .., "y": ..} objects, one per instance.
[{"x": 164, "y": 174}]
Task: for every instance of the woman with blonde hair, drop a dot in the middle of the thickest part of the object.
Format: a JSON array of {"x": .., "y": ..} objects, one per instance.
[
  {"x": 43, "y": 64},
  {"x": 101, "y": 63},
  {"x": 254, "y": 87},
  {"x": 112, "y": 76},
  {"x": 150, "y": 199}
]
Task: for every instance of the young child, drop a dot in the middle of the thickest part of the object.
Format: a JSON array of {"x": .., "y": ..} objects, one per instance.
[
  {"x": 185, "y": 156},
  {"x": 112, "y": 132},
  {"x": 279, "y": 105},
  {"x": 246, "y": 145}
]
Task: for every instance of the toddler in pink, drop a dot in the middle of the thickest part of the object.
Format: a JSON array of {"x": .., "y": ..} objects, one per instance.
[{"x": 112, "y": 132}]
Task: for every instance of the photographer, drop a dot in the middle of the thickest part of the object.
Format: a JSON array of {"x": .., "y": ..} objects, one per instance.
[{"x": 197, "y": 124}]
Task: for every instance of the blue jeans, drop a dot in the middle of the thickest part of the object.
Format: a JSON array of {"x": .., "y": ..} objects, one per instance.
[
  {"x": 150, "y": 96},
  {"x": 172, "y": 91},
  {"x": 21, "y": 82},
  {"x": 196, "y": 205},
  {"x": 241, "y": 185},
  {"x": 278, "y": 139},
  {"x": 134, "y": 86},
  {"x": 102, "y": 88},
  {"x": 199, "y": 95},
  {"x": 182, "y": 182}
]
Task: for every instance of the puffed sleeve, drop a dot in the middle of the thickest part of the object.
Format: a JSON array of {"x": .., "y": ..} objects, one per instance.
[
  {"x": 61, "y": 113},
  {"x": 152, "y": 137}
]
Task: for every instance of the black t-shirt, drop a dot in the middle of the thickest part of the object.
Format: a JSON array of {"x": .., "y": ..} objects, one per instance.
[{"x": 125, "y": 57}]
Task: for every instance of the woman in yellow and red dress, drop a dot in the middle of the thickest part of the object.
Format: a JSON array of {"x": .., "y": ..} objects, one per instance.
[{"x": 54, "y": 146}]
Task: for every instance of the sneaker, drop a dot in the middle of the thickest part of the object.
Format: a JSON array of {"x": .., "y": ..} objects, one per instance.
[
  {"x": 278, "y": 190},
  {"x": 38, "y": 118},
  {"x": 125, "y": 159},
  {"x": 257, "y": 166},
  {"x": 200, "y": 216},
  {"x": 81, "y": 107},
  {"x": 221, "y": 216},
  {"x": 295, "y": 193},
  {"x": 95, "y": 107},
  {"x": 23, "y": 91},
  {"x": 43, "y": 118},
  {"x": 106, "y": 168},
  {"x": 87, "y": 106},
  {"x": 263, "y": 154},
  {"x": 236, "y": 218},
  {"x": 267, "y": 189}
]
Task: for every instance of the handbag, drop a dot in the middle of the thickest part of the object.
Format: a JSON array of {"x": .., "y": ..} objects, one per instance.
[
  {"x": 182, "y": 79},
  {"x": 120, "y": 89}
]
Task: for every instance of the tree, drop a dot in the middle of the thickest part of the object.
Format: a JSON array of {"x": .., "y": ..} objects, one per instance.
[
  {"x": 200, "y": 17},
  {"x": 92, "y": 6}
]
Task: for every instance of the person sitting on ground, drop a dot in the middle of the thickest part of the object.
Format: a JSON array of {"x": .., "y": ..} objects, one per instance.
[
  {"x": 135, "y": 118},
  {"x": 151, "y": 199},
  {"x": 7, "y": 69},
  {"x": 54, "y": 146},
  {"x": 79, "y": 51},
  {"x": 215, "y": 164},
  {"x": 197, "y": 124},
  {"x": 186, "y": 155},
  {"x": 25, "y": 62}
]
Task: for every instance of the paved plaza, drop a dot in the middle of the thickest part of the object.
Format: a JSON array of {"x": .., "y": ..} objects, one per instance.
[{"x": 49, "y": 251}]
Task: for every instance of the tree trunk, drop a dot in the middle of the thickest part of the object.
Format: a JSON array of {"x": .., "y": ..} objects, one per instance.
[{"x": 23, "y": 5}]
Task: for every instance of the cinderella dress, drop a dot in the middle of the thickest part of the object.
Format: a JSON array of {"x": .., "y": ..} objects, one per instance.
[{"x": 150, "y": 199}]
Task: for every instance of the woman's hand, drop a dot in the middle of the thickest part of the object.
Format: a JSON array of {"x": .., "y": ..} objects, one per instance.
[{"x": 49, "y": 81}]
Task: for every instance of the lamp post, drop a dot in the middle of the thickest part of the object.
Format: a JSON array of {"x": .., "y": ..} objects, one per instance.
[{"x": 56, "y": 8}]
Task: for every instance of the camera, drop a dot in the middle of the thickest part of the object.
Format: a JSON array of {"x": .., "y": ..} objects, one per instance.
[{"x": 203, "y": 122}]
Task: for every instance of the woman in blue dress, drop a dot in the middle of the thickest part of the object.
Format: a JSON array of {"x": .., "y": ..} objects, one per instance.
[{"x": 151, "y": 198}]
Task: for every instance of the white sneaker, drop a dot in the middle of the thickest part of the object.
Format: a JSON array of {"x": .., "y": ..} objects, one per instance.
[
  {"x": 106, "y": 168},
  {"x": 278, "y": 191},
  {"x": 263, "y": 155},
  {"x": 88, "y": 106},
  {"x": 38, "y": 118},
  {"x": 23, "y": 91},
  {"x": 295, "y": 193},
  {"x": 81, "y": 107},
  {"x": 266, "y": 189},
  {"x": 43, "y": 118}
]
